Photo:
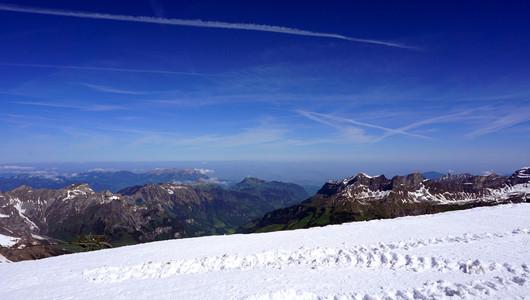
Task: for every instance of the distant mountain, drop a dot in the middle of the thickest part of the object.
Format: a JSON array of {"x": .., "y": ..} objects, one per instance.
[
  {"x": 41, "y": 218},
  {"x": 432, "y": 175},
  {"x": 103, "y": 180},
  {"x": 277, "y": 194},
  {"x": 311, "y": 189},
  {"x": 362, "y": 197},
  {"x": 454, "y": 178}
]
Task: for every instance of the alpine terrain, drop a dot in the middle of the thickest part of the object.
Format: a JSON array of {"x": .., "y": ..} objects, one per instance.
[
  {"x": 39, "y": 221},
  {"x": 363, "y": 197}
]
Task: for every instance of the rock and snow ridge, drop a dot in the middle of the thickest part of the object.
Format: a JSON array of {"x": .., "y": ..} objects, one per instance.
[
  {"x": 139, "y": 213},
  {"x": 450, "y": 189},
  {"x": 472, "y": 254},
  {"x": 362, "y": 197}
]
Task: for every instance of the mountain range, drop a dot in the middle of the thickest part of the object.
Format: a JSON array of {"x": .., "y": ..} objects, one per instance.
[
  {"x": 100, "y": 180},
  {"x": 363, "y": 197},
  {"x": 114, "y": 181},
  {"x": 41, "y": 218},
  {"x": 38, "y": 222}
]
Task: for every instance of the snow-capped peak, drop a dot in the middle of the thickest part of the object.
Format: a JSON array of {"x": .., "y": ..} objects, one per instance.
[
  {"x": 77, "y": 189},
  {"x": 523, "y": 173}
]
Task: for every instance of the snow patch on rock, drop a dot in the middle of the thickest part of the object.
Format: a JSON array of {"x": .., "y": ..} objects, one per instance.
[{"x": 8, "y": 241}]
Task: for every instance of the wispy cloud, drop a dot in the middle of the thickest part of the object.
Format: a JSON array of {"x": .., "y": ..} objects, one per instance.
[
  {"x": 15, "y": 168},
  {"x": 24, "y": 121},
  {"x": 28, "y": 170},
  {"x": 333, "y": 121},
  {"x": 103, "y": 170},
  {"x": 492, "y": 122},
  {"x": 502, "y": 122},
  {"x": 196, "y": 23},
  {"x": 101, "y": 68},
  {"x": 111, "y": 90},
  {"x": 440, "y": 119},
  {"x": 85, "y": 107},
  {"x": 248, "y": 137}
]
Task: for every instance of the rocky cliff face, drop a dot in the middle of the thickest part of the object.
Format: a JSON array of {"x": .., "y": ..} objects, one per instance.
[
  {"x": 362, "y": 197},
  {"x": 40, "y": 217}
]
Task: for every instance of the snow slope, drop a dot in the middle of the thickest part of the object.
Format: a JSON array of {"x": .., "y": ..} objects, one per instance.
[{"x": 479, "y": 253}]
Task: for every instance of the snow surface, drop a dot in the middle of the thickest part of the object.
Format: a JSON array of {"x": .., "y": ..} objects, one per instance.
[
  {"x": 3, "y": 259},
  {"x": 480, "y": 253},
  {"x": 8, "y": 241}
]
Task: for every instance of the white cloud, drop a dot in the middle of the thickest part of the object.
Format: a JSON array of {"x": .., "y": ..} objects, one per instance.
[
  {"x": 29, "y": 171},
  {"x": 101, "y": 170},
  {"x": 15, "y": 168},
  {"x": 205, "y": 171},
  {"x": 195, "y": 23}
]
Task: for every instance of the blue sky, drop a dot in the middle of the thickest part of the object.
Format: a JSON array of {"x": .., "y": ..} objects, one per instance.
[{"x": 389, "y": 86}]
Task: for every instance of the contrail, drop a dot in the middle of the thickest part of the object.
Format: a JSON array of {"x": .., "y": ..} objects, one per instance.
[
  {"x": 315, "y": 117},
  {"x": 195, "y": 23},
  {"x": 102, "y": 69}
]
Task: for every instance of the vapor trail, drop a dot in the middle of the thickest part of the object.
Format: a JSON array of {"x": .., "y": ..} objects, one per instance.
[
  {"x": 102, "y": 69},
  {"x": 194, "y": 23},
  {"x": 319, "y": 118}
]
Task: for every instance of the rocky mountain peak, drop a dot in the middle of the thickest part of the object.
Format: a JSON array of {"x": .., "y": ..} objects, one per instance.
[
  {"x": 22, "y": 188},
  {"x": 359, "y": 179},
  {"x": 521, "y": 176},
  {"x": 253, "y": 180},
  {"x": 414, "y": 179},
  {"x": 77, "y": 189},
  {"x": 454, "y": 178},
  {"x": 80, "y": 187},
  {"x": 363, "y": 175}
]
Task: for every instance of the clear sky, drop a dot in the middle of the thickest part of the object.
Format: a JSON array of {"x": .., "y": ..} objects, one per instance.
[{"x": 435, "y": 85}]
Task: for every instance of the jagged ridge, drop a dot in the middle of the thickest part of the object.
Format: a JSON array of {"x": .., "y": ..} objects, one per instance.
[
  {"x": 362, "y": 197},
  {"x": 135, "y": 214}
]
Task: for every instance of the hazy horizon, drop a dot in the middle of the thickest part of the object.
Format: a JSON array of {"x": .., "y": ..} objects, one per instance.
[{"x": 308, "y": 173}]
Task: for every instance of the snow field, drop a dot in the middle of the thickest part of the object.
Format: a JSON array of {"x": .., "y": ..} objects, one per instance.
[
  {"x": 382, "y": 255},
  {"x": 377, "y": 256},
  {"x": 480, "y": 253}
]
